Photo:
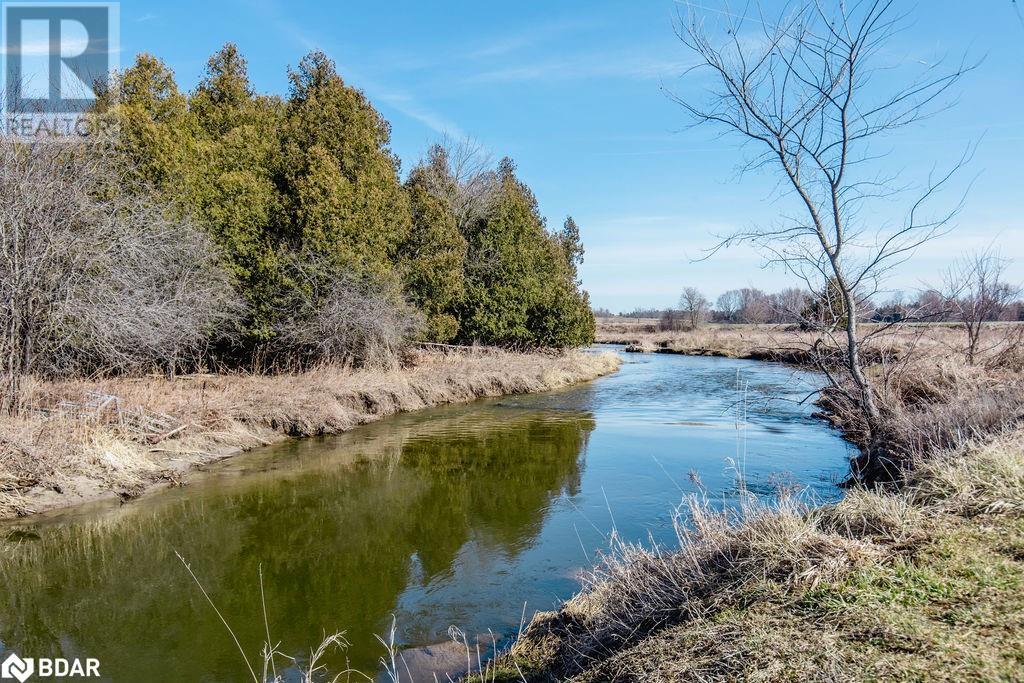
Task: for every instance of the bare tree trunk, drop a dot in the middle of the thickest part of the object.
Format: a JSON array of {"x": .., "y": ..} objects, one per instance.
[
  {"x": 12, "y": 388},
  {"x": 868, "y": 404},
  {"x": 799, "y": 92},
  {"x": 973, "y": 335}
]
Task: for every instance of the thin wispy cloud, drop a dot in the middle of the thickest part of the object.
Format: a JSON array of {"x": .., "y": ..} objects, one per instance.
[
  {"x": 585, "y": 66},
  {"x": 508, "y": 43},
  {"x": 401, "y": 101},
  {"x": 408, "y": 105}
]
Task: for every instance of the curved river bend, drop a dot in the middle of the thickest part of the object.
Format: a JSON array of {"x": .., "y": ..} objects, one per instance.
[{"x": 458, "y": 515}]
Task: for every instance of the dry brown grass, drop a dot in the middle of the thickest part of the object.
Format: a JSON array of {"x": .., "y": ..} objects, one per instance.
[
  {"x": 788, "y": 343},
  {"x": 61, "y": 452},
  {"x": 987, "y": 480},
  {"x": 931, "y": 404},
  {"x": 732, "y": 341},
  {"x": 723, "y": 560},
  {"x": 884, "y": 584}
]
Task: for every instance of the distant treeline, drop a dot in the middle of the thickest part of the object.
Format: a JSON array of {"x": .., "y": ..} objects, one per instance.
[
  {"x": 798, "y": 306},
  {"x": 746, "y": 305},
  {"x": 304, "y": 200}
]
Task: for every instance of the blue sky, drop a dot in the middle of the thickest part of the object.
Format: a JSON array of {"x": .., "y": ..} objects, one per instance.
[{"x": 575, "y": 93}]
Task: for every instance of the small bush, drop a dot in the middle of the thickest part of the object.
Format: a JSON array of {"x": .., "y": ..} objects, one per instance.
[{"x": 333, "y": 316}]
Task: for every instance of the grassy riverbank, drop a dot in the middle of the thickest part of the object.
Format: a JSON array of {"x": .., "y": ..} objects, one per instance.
[
  {"x": 80, "y": 440},
  {"x": 922, "y": 579},
  {"x": 732, "y": 341},
  {"x": 926, "y": 582}
]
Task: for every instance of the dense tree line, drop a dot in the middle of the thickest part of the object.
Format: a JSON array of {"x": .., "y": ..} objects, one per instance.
[
  {"x": 263, "y": 231},
  {"x": 304, "y": 198}
]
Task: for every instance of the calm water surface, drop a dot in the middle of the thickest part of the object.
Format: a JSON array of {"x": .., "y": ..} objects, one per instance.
[{"x": 453, "y": 516}]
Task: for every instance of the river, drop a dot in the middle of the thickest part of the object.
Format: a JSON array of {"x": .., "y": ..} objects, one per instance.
[{"x": 464, "y": 515}]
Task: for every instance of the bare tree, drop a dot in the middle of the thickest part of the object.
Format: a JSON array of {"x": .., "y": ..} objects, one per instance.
[
  {"x": 694, "y": 305},
  {"x": 802, "y": 92},
  {"x": 930, "y": 305},
  {"x": 729, "y": 304},
  {"x": 975, "y": 294},
  {"x": 789, "y": 304},
  {"x": 461, "y": 172},
  {"x": 670, "y": 320},
  {"x": 92, "y": 279},
  {"x": 755, "y": 306}
]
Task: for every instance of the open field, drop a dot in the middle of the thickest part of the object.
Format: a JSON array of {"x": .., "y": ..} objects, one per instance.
[
  {"x": 787, "y": 343},
  {"x": 121, "y": 436}
]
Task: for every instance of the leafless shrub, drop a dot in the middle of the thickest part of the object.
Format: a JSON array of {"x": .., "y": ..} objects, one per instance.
[
  {"x": 92, "y": 279},
  {"x": 154, "y": 296},
  {"x": 976, "y": 293},
  {"x": 339, "y": 317},
  {"x": 671, "y": 320},
  {"x": 1008, "y": 353}
]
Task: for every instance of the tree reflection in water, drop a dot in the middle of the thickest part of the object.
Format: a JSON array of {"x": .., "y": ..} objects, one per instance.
[{"x": 349, "y": 531}]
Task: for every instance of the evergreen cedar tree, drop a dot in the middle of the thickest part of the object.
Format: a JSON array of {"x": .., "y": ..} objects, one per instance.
[{"x": 310, "y": 180}]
